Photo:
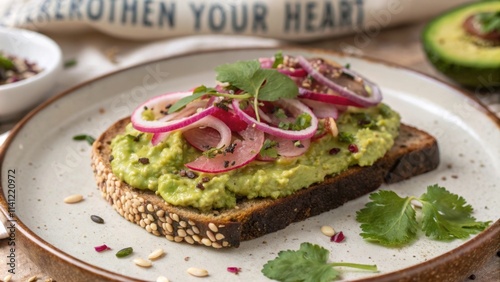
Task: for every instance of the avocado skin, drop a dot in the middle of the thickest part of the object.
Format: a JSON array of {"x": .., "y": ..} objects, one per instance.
[{"x": 465, "y": 74}]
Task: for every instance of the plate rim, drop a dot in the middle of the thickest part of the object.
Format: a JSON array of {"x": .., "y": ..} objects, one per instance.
[{"x": 460, "y": 257}]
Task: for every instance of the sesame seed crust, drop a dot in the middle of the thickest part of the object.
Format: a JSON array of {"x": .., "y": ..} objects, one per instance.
[{"x": 414, "y": 152}]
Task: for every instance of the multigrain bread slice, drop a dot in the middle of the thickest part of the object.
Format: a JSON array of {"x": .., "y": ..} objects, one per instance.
[{"x": 414, "y": 152}]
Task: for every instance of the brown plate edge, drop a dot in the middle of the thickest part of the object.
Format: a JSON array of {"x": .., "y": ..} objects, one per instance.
[{"x": 451, "y": 266}]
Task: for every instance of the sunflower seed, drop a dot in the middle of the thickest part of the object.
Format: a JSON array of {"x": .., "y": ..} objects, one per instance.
[{"x": 327, "y": 230}]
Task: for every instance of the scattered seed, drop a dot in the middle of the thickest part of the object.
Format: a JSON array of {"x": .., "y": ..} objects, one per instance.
[
  {"x": 334, "y": 151},
  {"x": 191, "y": 175},
  {"x": 472, "y": 277},
  {"x": 162, "y": 279},
  {"x": 156, "y": 254},
  {"x": 7, "y": 278},
  {"x": 142, "y": 262},
  {"x": 33, "y": 278},
  {"x": 73, "y": 199},
  {"x": 198, "y": 272},
  {"x": 124, "y": 252},
  {"x": 97, "y": 219},
  {"x": 327, "y": 230},
  {"x": 144, "y": 161}
]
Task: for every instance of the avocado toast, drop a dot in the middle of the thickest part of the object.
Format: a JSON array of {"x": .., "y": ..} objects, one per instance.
[{"x": 124, "y": 157}]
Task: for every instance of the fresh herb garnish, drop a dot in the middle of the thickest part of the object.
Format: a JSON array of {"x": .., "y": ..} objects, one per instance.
[
  {"x": 278, "y": 59},
  {"x": 255, "y": 82},
  {"x": 269, "y": 149},
  {"x": 346, "y": 137},
  {"x": 308, "y": 264},
  {"x": 124, "y": 252},
  {"x": 84, "y": 137},
  {"x": 391, "y": 220},
  {"x": 302, "y": 121},
  {"x": 5, "y": 63},
  {"x": 489, "y": 21},
  {"x": 70, "y": 63}
]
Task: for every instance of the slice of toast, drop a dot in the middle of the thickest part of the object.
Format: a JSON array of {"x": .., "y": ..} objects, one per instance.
[{"x": 414, "y": 152}]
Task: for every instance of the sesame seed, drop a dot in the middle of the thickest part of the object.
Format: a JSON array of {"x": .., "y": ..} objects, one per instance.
[
  {"x": 142, "y": 262},
  {"x": 206, "y": 242},
  {"x": 162, "y": 279},
  {"x": 213, "y": 227},
  {"x": 181, "y": 233},
  {"x": 156, "y": 254},
  {"x": 73, "y": 199},
  {"x": 197, "y": 272},
  {"x": 211, "y": 236},
  {"x": 189, "y": 240}
]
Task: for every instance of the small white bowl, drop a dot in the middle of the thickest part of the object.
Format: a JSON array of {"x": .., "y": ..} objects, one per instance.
[{"x": 19, "y": 97}]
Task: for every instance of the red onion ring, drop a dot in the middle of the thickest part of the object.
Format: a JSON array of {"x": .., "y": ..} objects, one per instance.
[
  {"x": 295, "y": 107},
  {"x": 326, "y": 98},
  {"x": 157, "y": 126},
  {"x": 322, "y": 110},
  {"x": 374, "y": 99},
  {"x": 244, "y": 152},
  {"x": 208, "y": 121}
]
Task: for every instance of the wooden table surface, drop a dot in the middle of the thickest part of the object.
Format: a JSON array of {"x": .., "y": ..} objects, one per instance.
[{"x": 399, "y": 45}]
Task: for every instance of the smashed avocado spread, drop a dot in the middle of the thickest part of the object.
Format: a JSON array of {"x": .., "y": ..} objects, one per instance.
[{"x": 365, "y": 135}]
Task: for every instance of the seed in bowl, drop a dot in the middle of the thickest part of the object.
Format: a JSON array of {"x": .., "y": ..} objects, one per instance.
[{"x": 13, "y": 69}]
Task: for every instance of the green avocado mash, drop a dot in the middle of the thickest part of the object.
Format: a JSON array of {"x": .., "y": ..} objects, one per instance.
[{"x": 161, "y": 168}]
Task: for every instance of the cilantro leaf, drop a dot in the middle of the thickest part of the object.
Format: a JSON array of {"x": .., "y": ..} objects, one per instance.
[
  {"x": 447, "y": 216},
  {"x": 309, "y": 264},
  {"x": 388, "y": 219},
  {"x": 264, "y": 84},
  {"x": 197, "y": 93}
]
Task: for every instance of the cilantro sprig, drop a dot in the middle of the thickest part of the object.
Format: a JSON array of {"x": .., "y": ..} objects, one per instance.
[
  {"x": 489, "y": 21},
  {"x": 255, "y": 82},
  {"x": 391, "y": 220},
  {"x": 308, "y": 264}
]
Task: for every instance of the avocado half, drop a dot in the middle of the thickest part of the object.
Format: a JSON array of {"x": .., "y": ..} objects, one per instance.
[{"x": 463, "y": 57}]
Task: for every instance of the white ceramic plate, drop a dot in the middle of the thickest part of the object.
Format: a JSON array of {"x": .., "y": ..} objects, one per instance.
[{"x": 49, "y": 166}]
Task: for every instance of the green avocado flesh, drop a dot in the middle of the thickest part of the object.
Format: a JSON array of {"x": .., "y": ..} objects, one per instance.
[
  {"x": 279, "y": 178},
  {"x": 465, "y": 58}
]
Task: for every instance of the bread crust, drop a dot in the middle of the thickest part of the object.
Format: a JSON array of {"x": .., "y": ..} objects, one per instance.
[{"x": 414, "y": 152}]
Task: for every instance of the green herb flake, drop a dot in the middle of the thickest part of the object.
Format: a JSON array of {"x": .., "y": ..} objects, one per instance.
[
  {"x": 6, "y": 63},
  {"x": 391, "y": 220},
  {"x": 308, "y": 264},
  {"x": 84, "y": 137},
  {"x": 124, "y": 252},
  {"x": 278, "y": 59},
  {"x": 70, "y": 63},
  {"x": 302, "y": 121},
  {"x": 269, "y": 149},
  {"x": 346, "y": 137}
]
